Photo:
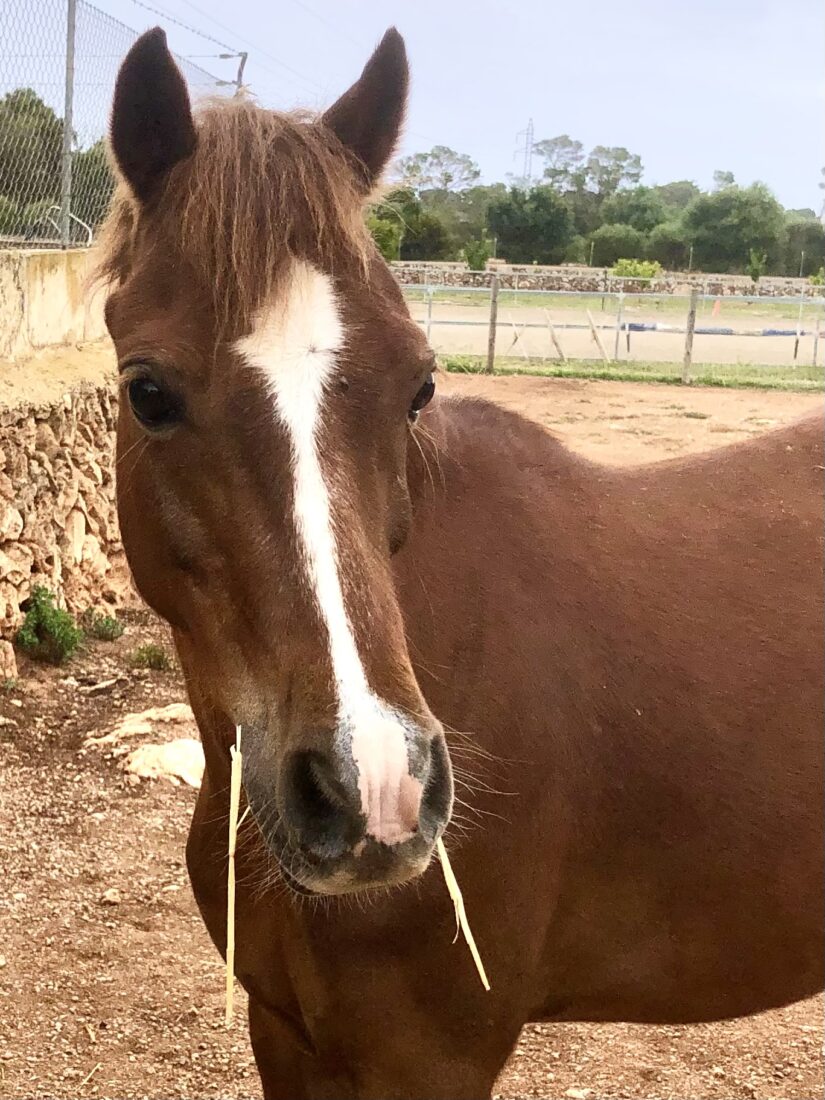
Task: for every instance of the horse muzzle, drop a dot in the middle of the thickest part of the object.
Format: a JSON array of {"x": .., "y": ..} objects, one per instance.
[{"x": 342, "y": 816}]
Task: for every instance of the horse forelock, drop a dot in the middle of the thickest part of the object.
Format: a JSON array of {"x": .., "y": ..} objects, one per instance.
[{"x": 260, "y": 190}]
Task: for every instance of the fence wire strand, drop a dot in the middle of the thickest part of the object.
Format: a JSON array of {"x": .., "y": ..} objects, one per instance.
[{"x": 43, "y": 200}]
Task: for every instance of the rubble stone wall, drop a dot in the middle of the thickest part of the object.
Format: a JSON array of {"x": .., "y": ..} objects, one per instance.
[
  {"x": 596, "y": 280},
  {"x": 58, "y": 520}
]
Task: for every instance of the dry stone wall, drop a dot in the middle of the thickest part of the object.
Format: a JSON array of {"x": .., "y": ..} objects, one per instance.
[
  {"x": 595, "y": 280},
  {"x": 58, "y": 520}
]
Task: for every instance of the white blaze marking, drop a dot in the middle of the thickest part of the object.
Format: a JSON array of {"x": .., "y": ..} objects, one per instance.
[{"x": 295, "y": 343}]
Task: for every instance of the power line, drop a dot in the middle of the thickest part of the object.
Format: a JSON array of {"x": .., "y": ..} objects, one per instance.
[
  {"x": 332, "y": 26},
  {"x": 216, "y": 41},
  {"x": 179, "y": 23},
  {"x": 241, "y": 55}
]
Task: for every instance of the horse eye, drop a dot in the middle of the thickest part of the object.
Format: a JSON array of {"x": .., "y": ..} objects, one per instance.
[
  {"x": 153, "y": 406},
  {"x": 423, "y": 397}
]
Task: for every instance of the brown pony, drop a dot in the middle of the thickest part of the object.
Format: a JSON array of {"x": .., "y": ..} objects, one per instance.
[{"x": 354, "y": 572}]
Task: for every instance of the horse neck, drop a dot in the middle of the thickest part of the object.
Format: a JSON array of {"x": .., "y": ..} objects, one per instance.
[{"x": 499, "y": 582}]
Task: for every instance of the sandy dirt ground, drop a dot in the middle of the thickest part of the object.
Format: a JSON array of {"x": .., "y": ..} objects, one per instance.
[
  {"x": 514, "y": 338},
  {"x": 109, "y": 986},
  {"x": 627, "y": 423}
]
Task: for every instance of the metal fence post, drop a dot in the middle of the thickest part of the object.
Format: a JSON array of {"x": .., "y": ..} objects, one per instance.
[
  {"x": 491, "y": 339},
  {"x": 691, "y": 325},
  {"x": 68, "y": 101}
]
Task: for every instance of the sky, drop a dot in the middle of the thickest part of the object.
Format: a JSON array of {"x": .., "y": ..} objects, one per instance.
[{"x": 737, "y": 85}]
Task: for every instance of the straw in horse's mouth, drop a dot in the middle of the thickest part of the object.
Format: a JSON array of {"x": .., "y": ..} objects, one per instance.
[{"x": 462, "y": 924}]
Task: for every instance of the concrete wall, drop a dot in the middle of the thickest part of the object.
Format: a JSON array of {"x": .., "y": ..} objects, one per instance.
[{"x": 46, "y": 301}]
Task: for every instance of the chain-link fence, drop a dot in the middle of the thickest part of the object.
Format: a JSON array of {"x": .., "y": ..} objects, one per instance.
[{"x": 58, "y": 63}]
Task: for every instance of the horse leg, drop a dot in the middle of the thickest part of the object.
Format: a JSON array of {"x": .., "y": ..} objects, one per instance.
[
  {"x": 283, "y": 1057},
  {"x": 381, "y": 1063}
]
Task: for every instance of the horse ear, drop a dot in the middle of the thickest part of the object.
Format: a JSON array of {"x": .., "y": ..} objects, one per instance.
[
  {"x": 152, "y": 127},
  {"x": 367, "y": 119}
]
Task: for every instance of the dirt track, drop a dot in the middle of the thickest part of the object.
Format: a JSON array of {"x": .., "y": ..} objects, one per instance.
[{"x": 124, "y": 998}]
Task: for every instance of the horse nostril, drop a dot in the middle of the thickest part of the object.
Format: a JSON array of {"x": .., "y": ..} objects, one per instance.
[
  {"x": 317, "y": 808},
  {"x": 436, "y": 804}
]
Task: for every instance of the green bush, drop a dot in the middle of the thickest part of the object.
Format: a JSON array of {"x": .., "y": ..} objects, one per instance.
[
  {"x": 151, "y": 656},
  {"x": 818, "y": 279},
  {"x": 477, "y": 253},
  {"x": 636, "y": 269},
  {"x": 757, "y": 263},
  {"x": 48, "y": 632},
  {"x": 100, "y": 625}
]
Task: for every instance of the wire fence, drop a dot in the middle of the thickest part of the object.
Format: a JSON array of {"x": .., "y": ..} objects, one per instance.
[
  {"x": 778, "y": 341},
  {"x": 58, "y": 64}
]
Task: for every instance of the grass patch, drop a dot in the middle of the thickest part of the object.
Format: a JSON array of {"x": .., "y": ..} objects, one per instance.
[
  {"x": 802, "y": 379},
  {"x": 48, "y": 632},
  {"x": 102, "y": 626},
  {"x": 693, "y": 414},
  {"x": 8, "y": 685},
  {"x": 150, "y": 656}
]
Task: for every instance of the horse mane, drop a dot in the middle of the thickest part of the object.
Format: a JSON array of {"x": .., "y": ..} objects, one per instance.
[{"x": 260, "y": 189}]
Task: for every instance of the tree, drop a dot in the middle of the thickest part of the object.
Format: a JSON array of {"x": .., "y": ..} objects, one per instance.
[
  {"x": 31, "y": 146},
  {"x": 803, "y": 212},
  {"x": 426, "y": 239},
  {"x": 386, "y": 234},
  {"x": 462, "y": 213},
  {"x": 610, "y": 167},
  {"x": 441, "y": 168},
  {"x": 617, "y": 242},
  {"x": 421, "y": 235},
  {"x": 562, "y": 157},
  {"x": 640, "y": 207},
  {"x": 531, "y": 226},
  {"x": 721, "y": 180},
  {"x": 585, "y": 208},
  {"x": 725, "y": 225},
  {"x": 678, "y": 194},
  {"x": 803, "y": 234},
  {"x": 668, "y": 244},
  {"x": 92, "y": 184},
  {"x": 577, "y": 251}
]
